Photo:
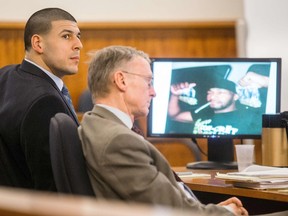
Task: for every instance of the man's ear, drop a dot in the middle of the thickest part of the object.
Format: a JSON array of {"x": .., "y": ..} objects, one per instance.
[
  {"x": 119, "y": 80},
  {"x": 36, "y": 43}
]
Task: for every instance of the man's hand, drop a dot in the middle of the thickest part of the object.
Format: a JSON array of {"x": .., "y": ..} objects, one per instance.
[
  {"x": 252, "y": 79},
  {"x": 235, "y": 206},
  {"x": 177, "y": 89}
]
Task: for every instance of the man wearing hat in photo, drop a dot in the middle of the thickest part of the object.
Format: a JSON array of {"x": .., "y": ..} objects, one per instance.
[
  {"x": 222, "y": 96},
  {"x": 224, "y": 116}
]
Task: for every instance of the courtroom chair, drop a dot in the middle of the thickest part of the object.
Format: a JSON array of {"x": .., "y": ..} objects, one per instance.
[
  {"x": 85, "y": 102},
  {"x": 68, "y": 162}
]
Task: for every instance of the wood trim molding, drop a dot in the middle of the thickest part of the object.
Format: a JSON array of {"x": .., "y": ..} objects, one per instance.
[{"x": 137, "y": 25}]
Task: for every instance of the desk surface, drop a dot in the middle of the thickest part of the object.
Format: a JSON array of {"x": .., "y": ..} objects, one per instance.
[{"x": 219, "y": 186}]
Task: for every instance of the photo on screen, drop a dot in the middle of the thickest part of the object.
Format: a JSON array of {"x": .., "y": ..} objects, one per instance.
[{"x": 213, "y": 98}]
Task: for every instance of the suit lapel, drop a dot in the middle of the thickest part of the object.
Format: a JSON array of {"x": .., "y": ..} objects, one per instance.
[{"x": 32, "y": 69}]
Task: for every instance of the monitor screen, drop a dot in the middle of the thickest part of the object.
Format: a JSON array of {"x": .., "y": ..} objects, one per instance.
[{"x": 214, "y": 98}]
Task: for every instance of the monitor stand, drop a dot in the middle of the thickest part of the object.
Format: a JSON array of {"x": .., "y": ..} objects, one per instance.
[{"x": 220, "y": 156}]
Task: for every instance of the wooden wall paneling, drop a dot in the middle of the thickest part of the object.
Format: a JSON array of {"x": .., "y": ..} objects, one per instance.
[
  {"x": 167, "y": 39},
  {"x": 12, "y": 46},
  {"x": 158, "y": 39}
]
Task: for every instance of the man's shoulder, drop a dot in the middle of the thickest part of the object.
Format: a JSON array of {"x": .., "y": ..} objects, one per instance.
[{"x": 9, "y": 68}]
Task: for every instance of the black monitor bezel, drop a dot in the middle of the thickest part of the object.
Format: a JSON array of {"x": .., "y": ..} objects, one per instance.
[{"x": 237, "y": 136}]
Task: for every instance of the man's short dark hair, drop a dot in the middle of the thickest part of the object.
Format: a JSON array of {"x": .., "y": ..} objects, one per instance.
[{"x": 40, "y": 23}]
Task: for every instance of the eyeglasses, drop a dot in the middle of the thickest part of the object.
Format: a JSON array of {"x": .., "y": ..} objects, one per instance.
[{"x": 149, "y": 79}]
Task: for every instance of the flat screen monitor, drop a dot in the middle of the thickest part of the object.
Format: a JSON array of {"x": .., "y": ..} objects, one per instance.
[{"x": 219, "y": 99}]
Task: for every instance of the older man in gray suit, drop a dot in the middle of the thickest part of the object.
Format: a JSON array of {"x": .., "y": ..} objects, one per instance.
[{"x": 121, "y": 164}]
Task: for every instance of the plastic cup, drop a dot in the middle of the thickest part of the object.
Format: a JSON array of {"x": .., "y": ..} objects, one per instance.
[{"x": 244, "y": 155}]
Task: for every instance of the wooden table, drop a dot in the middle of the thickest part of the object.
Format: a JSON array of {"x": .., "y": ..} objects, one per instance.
[{"x": 212, "y": 190}]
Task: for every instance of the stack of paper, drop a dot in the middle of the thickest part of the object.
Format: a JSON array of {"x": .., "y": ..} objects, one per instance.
[
  {"x": 193, "y": 175},
  {"x": 258, "y": 177}
]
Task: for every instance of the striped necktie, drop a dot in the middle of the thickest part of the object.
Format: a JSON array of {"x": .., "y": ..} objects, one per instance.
[
  {"x": 67, "y": 96},
  {"x": 137, "y": 130}
]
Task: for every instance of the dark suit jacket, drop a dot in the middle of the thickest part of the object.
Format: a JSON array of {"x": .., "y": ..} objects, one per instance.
[
  {"x": 123, "y": 165},
  {"x": 28, "y": 100}
]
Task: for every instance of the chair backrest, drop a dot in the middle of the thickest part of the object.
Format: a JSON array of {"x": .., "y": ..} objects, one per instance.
[
  {"x": 85, "y": 102},
  {"x": 68, "y": 162}
]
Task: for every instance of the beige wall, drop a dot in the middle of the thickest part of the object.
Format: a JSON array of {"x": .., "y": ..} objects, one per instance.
[
  {"x": 129, "y": 10},
  {"x": 267, "y": 35}
]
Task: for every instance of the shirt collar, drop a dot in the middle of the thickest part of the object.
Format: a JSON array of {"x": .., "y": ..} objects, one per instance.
[
  {"x": 57, "y": 80},
  {"x": 121, "y": 115}
]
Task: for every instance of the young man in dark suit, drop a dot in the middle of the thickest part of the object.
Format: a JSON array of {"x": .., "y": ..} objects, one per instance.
[
  {"x": 122, "y": 165},
  {"x": 30, "y": 95}
]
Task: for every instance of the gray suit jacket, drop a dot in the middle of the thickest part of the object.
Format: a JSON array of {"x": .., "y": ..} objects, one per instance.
[{"x": 123, "y": 165}]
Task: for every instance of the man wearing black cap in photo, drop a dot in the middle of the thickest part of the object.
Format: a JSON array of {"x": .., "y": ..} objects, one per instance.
[
  {"x": 224, "y": 117},
  {"x": 227, "y": 117},
  {"x": 222, "y": 96}
]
